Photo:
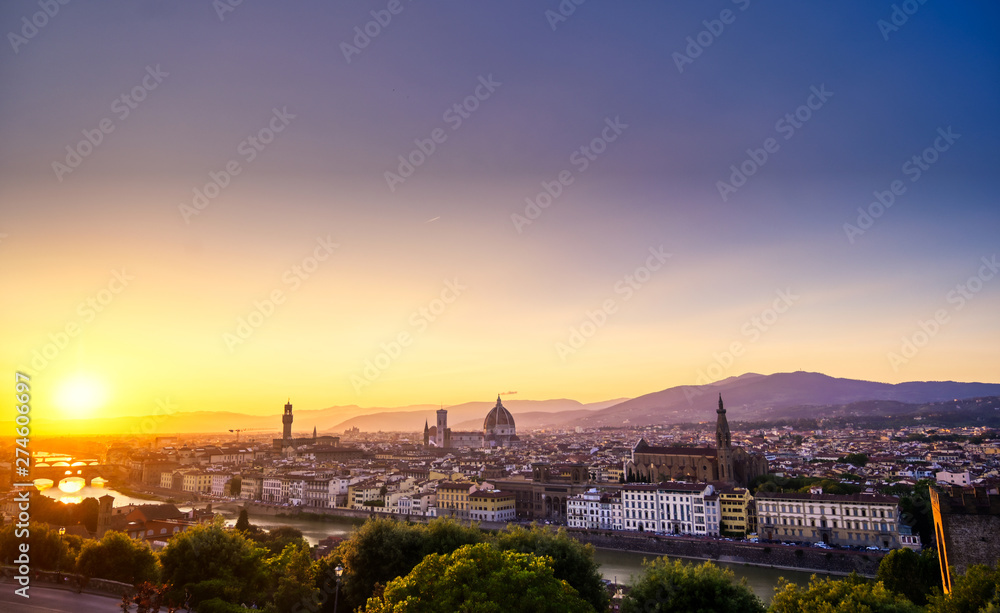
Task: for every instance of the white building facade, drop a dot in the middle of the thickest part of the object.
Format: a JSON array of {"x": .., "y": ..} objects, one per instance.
[
  {"x": 855, "y": 520},
  {"x": 671, "y": 508},
  {"x": 595, "y": 510}
]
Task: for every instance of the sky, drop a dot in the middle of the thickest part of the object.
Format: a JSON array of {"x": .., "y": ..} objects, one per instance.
[{"x": 221, "y": 205}]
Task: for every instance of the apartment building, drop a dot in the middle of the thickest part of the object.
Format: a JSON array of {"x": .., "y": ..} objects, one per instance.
[
  {"x": 736, "y": 508},
  {"x": 365, "y": 491},
  {"x": 491, "y": 505},
  {"x": 595, "y": 510},
  {"x": 251, "y": 486},
  {"x": 274, "y": 489},
  {"x": 453, "y": 498},
  {"x": 671, "y": 507},
  {"x": 869, "y": 520},
  {"x": 220, "y": 482}
]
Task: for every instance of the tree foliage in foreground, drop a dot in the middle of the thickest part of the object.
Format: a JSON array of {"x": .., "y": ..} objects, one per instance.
[
  {"x": 667, "y": 586},
  {"x": 850, "y": 595},
  {"x": 978, "y": 590},
  {"x": 911, "y": 574},
  {"x": 383, "y": 549},
  {"x": 211, "y": 561},
  {"x": 48, "y": 549},
  {"x": 119, "y": 558},
  {"x": 480, "y": 579},
  {"x": 572, "y": 561}
]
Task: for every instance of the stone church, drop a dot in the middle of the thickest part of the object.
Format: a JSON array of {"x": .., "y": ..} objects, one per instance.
[
  {"x": 723, "y": 463},
  {"x": 498, "y": 431}
]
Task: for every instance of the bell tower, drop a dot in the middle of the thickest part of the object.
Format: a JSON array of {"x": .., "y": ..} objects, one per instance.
[
  {"x": 724, "y": 445},
  {"x": 442, "y": 427},
  {"x": 286, "y": 420}
]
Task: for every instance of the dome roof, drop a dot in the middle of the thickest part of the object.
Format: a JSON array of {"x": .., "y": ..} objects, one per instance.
[{"x": 498, "y": 416}]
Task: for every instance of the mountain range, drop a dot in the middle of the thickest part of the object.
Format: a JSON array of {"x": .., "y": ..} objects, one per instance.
[{"x": 748, "y": 397}]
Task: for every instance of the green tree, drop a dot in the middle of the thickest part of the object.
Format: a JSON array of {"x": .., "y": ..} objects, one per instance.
[
  {"x": 47, "y": 548},
  {"x": 212, "y": 561},
  {"x": 573, "y": 561},
  {"x": 118, "y": 558},
  {"x": 277, "y": 539},
  {"x": 855, "y": 459},
  {"x": 676, "y": 586},
  {"x": 480, "y": 579},
  {"x": 974, "y": 591},
  {"x": 915, "y": 510},
  {"x": 911, "y": 574},
  {"x": 291, "y": 569},
  {"x": 383, "y": 549},
  {"x": 243, "y": 521},
  {"x": 850, "y": 595}
]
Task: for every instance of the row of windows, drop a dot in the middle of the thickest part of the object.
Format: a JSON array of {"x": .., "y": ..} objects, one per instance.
[
  {"x": 850, "y": 525},
  {"x": 859, "y": 512},
  {"x": 671, "y": 498}
]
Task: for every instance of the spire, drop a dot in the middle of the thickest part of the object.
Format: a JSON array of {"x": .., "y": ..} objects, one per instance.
[{"x": 721, "y": 409}]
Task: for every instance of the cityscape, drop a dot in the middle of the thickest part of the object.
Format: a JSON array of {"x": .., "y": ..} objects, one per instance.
[{"x": 557, "y": 306}]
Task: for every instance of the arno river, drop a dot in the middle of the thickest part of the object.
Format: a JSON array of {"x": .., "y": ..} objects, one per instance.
[{"x": 615, "y": 565}]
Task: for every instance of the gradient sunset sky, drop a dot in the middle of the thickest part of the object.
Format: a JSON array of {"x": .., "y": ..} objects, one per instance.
[{"x": 348, "y": 113}]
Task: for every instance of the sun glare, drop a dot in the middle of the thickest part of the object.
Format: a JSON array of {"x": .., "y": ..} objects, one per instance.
[
  {"x": 71, "y": 485},
  {"x": 79, "y": 396}
]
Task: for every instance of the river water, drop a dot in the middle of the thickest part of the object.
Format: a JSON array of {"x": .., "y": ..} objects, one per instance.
[{"x": 615, "y": 565}]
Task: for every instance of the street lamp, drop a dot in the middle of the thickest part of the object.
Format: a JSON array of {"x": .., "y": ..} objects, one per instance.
[{"x": 336, "y": 595}]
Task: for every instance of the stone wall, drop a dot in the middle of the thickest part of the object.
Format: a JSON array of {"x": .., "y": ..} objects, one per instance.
[
  {"x": 71, "y": 581},
  {"x": 972, "y": 539},
  {"x": 758, "y": 554}
]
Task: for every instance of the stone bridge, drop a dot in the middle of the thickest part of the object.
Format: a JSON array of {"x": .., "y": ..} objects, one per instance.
[{"x": 60, "y": 467}]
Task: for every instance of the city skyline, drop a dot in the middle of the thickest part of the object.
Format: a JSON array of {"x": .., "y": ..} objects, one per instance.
[{"x": 227, "y": 207}]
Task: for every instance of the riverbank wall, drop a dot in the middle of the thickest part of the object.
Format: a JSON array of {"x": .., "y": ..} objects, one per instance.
[
  {"x": 358, "y": 515},
  {"x": 785, "y": 557}
]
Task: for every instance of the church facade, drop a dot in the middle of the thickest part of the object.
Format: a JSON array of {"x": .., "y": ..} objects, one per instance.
[{"x": 723, "y": 463}]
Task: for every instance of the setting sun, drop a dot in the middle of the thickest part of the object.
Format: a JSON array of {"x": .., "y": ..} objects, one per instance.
[{"x": 79, "y": 396}]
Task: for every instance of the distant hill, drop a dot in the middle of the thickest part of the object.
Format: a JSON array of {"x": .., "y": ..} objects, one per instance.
[
  {"x": 754, "y": 397},
  {"x": 748, "y": 397},
  {"x": 470, "y": 415}
]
